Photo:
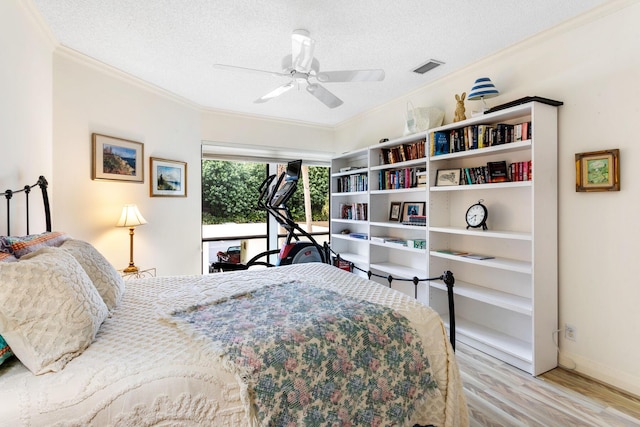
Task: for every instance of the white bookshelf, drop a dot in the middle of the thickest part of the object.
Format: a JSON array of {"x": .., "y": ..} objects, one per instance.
[
  {"x": 383, "y": 258},
  {"x": 506, "y": 305}
]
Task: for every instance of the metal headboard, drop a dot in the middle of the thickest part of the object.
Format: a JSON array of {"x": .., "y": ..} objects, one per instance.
[{"x": 42, "y": 183}]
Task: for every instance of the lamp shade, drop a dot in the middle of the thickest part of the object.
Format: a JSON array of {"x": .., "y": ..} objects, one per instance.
[
  {"x": 482, "y": 88},
  {"x": 131, "y": 217}
]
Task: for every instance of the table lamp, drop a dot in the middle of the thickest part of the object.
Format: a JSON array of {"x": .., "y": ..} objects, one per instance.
[
  {"x": 131, "y": 217},
  {"x": 483, "y": 88}
]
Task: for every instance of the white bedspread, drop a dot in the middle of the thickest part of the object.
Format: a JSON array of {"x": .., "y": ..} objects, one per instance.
[{"x": 142, "y": 370}]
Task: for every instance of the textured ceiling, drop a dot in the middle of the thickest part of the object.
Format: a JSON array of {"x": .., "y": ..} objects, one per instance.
[{"x": 173, "y": 44}]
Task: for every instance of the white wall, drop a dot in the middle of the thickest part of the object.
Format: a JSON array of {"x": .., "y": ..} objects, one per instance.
[
  {"x": 251, "y": 130},
  {"x": 88, "y": 99},
  {"x": 25, "y": 108},
  {"x": 591, "y": 64}
]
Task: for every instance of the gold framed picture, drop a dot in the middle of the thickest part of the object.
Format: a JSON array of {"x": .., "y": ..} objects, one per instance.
[
  {"x": 117, "y": 159},
  {"x": 168, "y": 178},
  {"x": 598, "y": 171}
]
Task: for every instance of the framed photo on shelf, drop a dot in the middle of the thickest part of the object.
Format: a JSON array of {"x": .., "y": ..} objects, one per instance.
[
  {"x": 395, "y": 211},
  {"x": 168, "y": 178},
  {"x": 412, "y": 208},
  {"x": 446, "y": 177},
  {"x": 116, "y": 159},
  {"x": 598, "y": 171}
]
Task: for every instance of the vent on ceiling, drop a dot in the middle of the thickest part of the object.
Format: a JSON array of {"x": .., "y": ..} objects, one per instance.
[{"x": 428, "y": 66}]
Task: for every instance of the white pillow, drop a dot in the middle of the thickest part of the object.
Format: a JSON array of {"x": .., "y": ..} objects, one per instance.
[
  {"x": 49, "y": 309},
  {"x": 105, "y": 278}
]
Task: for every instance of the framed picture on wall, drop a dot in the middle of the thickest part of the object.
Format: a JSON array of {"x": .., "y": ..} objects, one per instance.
[
  {"x": 168, "y": 178},
  {"x": 117, "y": 159},
  {"x": 598, "y": 171}
]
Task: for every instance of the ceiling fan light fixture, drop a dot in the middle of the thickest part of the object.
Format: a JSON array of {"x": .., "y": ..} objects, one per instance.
[
  {"x": 428, "y": 66},
  {"x": 302, "y": 46}
]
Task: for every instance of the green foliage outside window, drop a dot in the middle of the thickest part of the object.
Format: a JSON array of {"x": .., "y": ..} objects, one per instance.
[{"x": 230, "y": 193}]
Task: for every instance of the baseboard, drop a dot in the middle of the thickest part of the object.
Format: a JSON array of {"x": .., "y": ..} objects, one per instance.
[{"x": 623, "y": 382}]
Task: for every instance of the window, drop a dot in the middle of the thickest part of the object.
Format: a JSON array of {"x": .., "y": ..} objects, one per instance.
[{"x": 234, "y": 229}]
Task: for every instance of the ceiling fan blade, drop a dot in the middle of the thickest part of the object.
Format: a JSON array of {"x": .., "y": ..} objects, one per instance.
[
  {"x": 302, "y": 46},
  {"x": 276, "y": 92},
  {"x": 249, "y": 70},
  {"x": 351, "y": 76},
  {"x": 326, "y": 97}
]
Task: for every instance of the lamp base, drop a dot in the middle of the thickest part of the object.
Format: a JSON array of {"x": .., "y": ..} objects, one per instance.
[{"x": 131, "y": 269}]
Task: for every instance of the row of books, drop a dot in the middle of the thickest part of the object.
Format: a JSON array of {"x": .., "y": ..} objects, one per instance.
[
  {"x": 496, "y": 172},
  {"x": 400, "y": 178},
  {"x": 402, "y": 153},
  {"x": 477, "y": 136},
  {"x": 355, "y": 211},
  {"x": 351, "y": 183},
  {"x": 420, "y": 220},
  {"x": 521, "y": 171}
]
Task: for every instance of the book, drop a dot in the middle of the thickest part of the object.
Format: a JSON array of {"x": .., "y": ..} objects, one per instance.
[
  {"x": 381, "y": 239},
  {"x": 497, "y": 171},
  {"x": 478, "y": 256},
  {"x": 417, "y": 243},
  {"x": 398, "y": 242},
  {"x": 441, "y": 143},
  {"x": 452, "y": 252},
  {"x": 363, "y": 236}
]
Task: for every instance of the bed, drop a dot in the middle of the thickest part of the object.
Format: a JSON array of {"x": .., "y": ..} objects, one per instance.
[{"x": 306, "y": 344}]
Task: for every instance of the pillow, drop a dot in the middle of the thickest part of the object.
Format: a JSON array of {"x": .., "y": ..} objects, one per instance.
[
  {"x": 105, "y": 278},
  {"x": 49, "y": 309},
  {"x": 19, "y": 246},
  {"x": 5, "y": 350}
]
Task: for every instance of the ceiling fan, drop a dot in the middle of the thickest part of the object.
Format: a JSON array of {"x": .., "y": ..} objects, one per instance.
[{"x": 304, "y": 70}]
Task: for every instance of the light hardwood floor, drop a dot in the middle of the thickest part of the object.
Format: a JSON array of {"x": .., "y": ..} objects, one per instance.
[{"x": 501, "y": 395}]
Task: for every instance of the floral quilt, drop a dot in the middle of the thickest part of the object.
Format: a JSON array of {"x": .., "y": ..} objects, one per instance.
[{"x": 312, "y": 357}]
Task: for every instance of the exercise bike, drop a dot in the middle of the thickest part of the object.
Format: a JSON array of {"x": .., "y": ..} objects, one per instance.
[{"x": 273, "y": 198}]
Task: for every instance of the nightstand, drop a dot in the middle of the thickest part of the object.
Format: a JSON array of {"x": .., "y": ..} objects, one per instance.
[{"x": 147, "y": 272}]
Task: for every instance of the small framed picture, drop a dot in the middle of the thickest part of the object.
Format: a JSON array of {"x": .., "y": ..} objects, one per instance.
[
  {"x": 412, "y": 208},
  {"x": 446, "y": 177},
  {"x": 395, "y": 211},
  {"x": 116, "y": 159},
  {"x": 168, "y": 178},
  {"x": 598, "y": 171}
]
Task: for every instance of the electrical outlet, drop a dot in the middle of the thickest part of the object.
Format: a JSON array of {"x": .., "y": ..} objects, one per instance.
[{"x": 570, "y": 332}]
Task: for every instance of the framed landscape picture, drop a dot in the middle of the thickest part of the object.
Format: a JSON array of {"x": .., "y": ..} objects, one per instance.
[
  {"x": 116, "y": 159},
  {"x": 598, "y": 171},
  {"x": 168, "y": 178}
]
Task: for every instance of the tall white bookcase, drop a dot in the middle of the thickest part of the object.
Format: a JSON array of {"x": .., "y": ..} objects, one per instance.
[{"x": 506, "y": 305}]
